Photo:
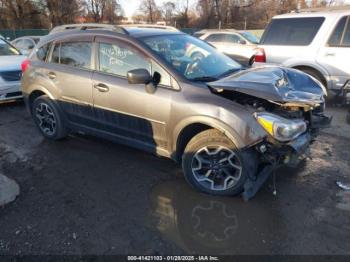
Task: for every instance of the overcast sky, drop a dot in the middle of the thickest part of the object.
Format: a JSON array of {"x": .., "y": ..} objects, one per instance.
[{"x": 131, "y": 6}]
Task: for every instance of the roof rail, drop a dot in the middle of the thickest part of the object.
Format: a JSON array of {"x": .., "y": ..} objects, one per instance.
[
  {"x": 323, "y": 9},
  {"x": 89, "y": 26},
  {"x": 154, "y": 26},
  {"x": 116, "y": 29}
]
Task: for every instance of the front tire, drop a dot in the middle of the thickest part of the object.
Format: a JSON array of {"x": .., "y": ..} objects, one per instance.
[
  {"x": 212, "y": 164},
  {"x": 48, "y": 119}
]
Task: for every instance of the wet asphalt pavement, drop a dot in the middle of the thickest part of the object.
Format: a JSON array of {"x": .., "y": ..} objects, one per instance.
[{"x": 89, "y": 196}]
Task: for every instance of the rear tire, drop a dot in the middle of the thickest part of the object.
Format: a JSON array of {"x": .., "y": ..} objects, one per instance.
[
  {"x": 48, "y": 119},
  {"x": 213, "y": 164}
]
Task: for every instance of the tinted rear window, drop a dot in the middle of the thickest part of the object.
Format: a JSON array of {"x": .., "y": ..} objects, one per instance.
[
  {"x": 346, "y": 38},
  {"x": 75, "y": 54},
  {"x": 215, "y": 38},
  {"x": 198, "y": 35},
  {"x": 292, "y": 31}
]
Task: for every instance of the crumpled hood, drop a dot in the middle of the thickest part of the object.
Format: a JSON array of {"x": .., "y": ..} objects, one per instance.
[
  {"x": 11, "y": 63},
  {"x": 277, "y": 84}
]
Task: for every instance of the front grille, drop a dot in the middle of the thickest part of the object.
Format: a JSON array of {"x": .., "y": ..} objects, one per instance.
[{"x": 11, "y": 76}]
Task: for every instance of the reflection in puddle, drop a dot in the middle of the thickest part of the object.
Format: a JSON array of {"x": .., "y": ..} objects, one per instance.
[
  {"x": 204, "y": 224},
  {"x": 344, "y": 203}
]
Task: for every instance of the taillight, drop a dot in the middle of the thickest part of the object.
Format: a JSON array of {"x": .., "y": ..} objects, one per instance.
[
  {"x": 260, "y": 55},
  {"x": 25, "y": 65}
]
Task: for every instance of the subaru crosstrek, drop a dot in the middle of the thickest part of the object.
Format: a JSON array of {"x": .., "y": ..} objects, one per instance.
[{"x": 228, "y": 126}]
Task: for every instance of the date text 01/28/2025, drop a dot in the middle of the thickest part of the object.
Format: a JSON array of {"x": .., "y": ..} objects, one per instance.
[{"x": 172, "y": 258}]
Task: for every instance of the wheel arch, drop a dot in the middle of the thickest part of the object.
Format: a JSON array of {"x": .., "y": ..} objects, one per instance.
[
  {"x": 37, "y": 91},
  {"x": 319, "y": 70},
  {"x": 189, "y": 128}
]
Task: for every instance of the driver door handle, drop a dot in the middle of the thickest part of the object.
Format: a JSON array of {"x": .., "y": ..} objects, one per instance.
[{"x": 101, "y": 87}]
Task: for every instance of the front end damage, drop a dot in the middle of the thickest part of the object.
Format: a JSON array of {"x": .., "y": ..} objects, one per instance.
[{"x": 288, "y": 104}]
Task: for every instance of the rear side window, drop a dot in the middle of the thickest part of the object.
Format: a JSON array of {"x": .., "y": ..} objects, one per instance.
[
  {"x": 216, "y": 38},
  {"x": 341, "y": 34},
  {"x": 346, "y": 38},
  {"x": 337, "y": 34},
  {"x": 75, "y": 54},
  {"x": 292, "y": 31},
  {"x": 233, "y": 39}
]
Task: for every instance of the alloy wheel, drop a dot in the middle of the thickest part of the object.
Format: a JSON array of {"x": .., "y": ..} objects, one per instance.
[
  {"x": 46, "y": 119},
  {"x": 216, "y": 168}
]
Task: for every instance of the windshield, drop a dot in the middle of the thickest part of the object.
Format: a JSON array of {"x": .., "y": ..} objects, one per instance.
[
  {"x": 6, "y": 49},
  {"x": 250, "y": 37},
  {"x": 191, "y": 57}
]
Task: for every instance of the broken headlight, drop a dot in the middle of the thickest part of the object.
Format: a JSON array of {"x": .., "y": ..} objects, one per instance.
[{"x": 280, "y": 128}]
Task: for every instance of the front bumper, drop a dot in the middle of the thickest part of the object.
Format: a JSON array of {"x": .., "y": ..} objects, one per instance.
[
  {"x": 274, "y": 155},
  {"x": 287, "y": 154}
]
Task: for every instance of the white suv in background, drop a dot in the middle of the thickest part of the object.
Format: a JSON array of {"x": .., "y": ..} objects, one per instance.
[{"x": 317, "y": 43}]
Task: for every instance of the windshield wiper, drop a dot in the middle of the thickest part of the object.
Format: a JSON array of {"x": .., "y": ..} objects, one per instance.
[{"x": 204, "y": 79}]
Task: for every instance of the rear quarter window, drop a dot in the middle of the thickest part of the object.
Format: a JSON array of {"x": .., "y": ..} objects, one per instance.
[
  {"x": 292, "y": 31},
  {"x": 42, "y": 52}
]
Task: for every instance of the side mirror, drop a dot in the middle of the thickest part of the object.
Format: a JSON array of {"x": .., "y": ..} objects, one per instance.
[
  {"x": 242, "y": 42},
  {"x": 142, "y": 76},
  {"x": 139, "y": 76},
  {"x": 31, "y": 47}
]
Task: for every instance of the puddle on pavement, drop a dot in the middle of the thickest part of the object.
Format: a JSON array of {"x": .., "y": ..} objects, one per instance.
[
  {"x": 344, "y": 200},
  {"x": 204, "y": 224}
]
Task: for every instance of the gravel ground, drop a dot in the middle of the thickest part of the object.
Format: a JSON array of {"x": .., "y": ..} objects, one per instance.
[{"x": 89, "y": 196}]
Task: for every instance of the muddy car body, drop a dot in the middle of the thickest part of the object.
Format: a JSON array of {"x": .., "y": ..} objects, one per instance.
[{"x": 208, "y": 113}]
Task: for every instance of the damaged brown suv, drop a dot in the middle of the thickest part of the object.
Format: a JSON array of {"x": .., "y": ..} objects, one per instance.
[{"x": 176, "y": 96}]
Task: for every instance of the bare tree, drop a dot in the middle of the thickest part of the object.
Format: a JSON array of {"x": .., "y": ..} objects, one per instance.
[
  {"x": 182, "y": 18},
  {"x": 64, "y": 11},
  {"x": 113, "y": 12},
  {"x": 20, "y": 14},
  {"x": 151, "y": 11},
  {"x": 168, "y": 12},
  {"x": 96, "y": 9}
]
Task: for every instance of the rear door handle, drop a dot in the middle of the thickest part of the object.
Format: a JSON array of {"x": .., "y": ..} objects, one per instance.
[
  {"x": 52, "y": 75},
  {"x": 101, "y": 87},
  {"x": 330, "y": 54}
]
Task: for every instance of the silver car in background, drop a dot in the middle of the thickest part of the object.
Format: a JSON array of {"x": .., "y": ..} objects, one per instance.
[
  {"x": 239, "y": 45},
  {"x": 10, "y": 71},
  {"x": 26, "y": 44},
  {"x": 317, "y": 43}
]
